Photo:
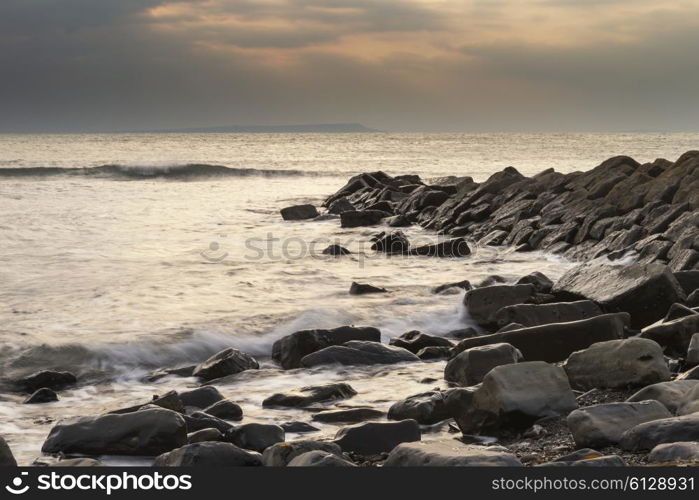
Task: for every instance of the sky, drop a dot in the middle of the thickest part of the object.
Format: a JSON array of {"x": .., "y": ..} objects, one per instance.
[{"x": 395, "y": 65}]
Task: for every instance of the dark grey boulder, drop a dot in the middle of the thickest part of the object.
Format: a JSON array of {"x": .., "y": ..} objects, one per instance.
[
  {"x": 414, "y": 341},
  {"x": 170, "y": 401},
  {"x": 358, "y": 352},
  {"x": 603, "y": 425},
  {"x": 298, "y": 427},
  {"x": 225, "y": 409},
  {"x": 449, "y": 453},
  {"x": 208, "y": 454},
  {"x": 336, "y": 250},
  {"x": 462, "y": 285},
  {"x": 648, "y": 435},
  {"x": 693, "y": 351},
  {"x": 392, "y": 242},
  {"x": 202, "y": 435},
  {"x": 470, "y": 366},
  {"x": 372, "y": 438},
  {"x": 434, "y": 353},
  {"x": 365, "y": 288},
  {"x": 180, "y": 371},
  {"x": 201, "y": 397},
  {"x": 542, "y": 314},
  {"x": 319, "y": 458},
  {"x": 348, "y": 416},
  {"x": 674, "y": 336},
  {"x": 299, "y": 212},
  {"x": 227, "y": 362},
  {"x": 340, "y": 205},
  {"x": 540, "y": 281},
  {"x": 456, "y": 247},
  {"x": 430, "y": 407},
  {"x": 617, "y": 364},
  {"x": 670, "y": 394},
  {"x": 46, "y": 378},
  {"x": 6, "y": 457},
  {"x": 310, "y": 395},
  {"x": 289, "y": 350},
  {"x": 359, "y": 218},
  {"x": 557, "y": 341},
  {"x": 200, "y": 420},
  {"x": 145, "y": 432},
  {"x": 254, "y": 436},
  {"x": 483, "y": 303},
  {"x": 43, "y": 395},
  {"x": 280, "y": 454},
  {"x": 646, "y": 292}
]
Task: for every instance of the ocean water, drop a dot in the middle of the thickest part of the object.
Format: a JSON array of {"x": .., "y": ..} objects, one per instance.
[{"x": 121, "y": 254}]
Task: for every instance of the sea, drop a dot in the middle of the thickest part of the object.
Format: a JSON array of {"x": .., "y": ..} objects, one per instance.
[{"x": 121, "y": 254}]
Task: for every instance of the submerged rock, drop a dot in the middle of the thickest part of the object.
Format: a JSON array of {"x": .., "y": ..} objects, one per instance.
[
  {"x": 414, "y": 341},
  {"x": 227, "y": 362},
  {"x": 6, "y": 457},
  {"x": 336, "y": 250},
  {"x": 365, "y": 288},
  {"x": 43, "y": 395},
  {"x": 299, "y": 212},
  {"x": 208, "y": 454},
  {"x": 307, "y": 396},
  {"x": 449, "y": 453},
  {"x": 348, "y": 416},
  {"x": 46, "y": 378},
  {"x": 372, "y": 438},
  {"x": 359, "y": 218},
  {"x": 357, "y": 352}
]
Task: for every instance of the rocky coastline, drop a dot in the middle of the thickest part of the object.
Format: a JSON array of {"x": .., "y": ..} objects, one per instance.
[{"x": 597, "y": 368}]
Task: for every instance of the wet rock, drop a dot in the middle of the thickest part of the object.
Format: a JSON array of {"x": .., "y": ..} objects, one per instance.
[
  {"x": 693, "y": 351},
  {"x": 414, "y": 341},
  {"x": 362, "y": 218},
  {"x": 555, "y": 342},
  {"x": 670, "y": 394},
  {"x": 208, "y": 454},
  {"x": 603, "y": 425},
  {"x": 202, "y": 435},
  {"x": 483, "y": 303},
  {"x": 372, "y": 438},
  {"x": 339, "y": 206},
  {"x": 541, "y": 282},
  {"x": 299, "y": 212},
  {"x": 463, "y": 285},
  {"x": 648, "y": 435},
  {"x": 675, "y": 452},
  {"x": 310, "y": 395},
  {"x": 200, "y": 420},
  {"x": 181, "y": 371},
  {"x": 254, "y": 436},
  {"x": 434, "y": 353},
  {"x": 617, "y": 364},
  {"x": 391, "y": 242},
  {"x": 145, "y": 432},
  {"x": 280, "y": 454},
  {"x": 543, "y": 314},
  {"x": 6, "y": 456},
  {"x": 43, "y": 395},
  {"x": 463, "y": 333},
  {"x": 358, "y": 352},
  {"x": 170, "y": 401},
  {"x": 227, "y": 362},
  {"x": 348, "y": 416},
  {"x": 427, "y": 408},
  {"x": 297, "y": 427},
  {"x": 449, "y": 453},
  {"x": 46, "y": 378},
  {"x": 289, "y": 350},
  {"x": 365, "y": 288},
  {"x": 646, "y": 292},
  {"x": 226, "y": 410},
  {"x": 674, "y": 336},
  {"x": 456, "y": 247},
  {"x": 516, "y": 395},
  {"x": 201, "y": 397},
  {"x": 319, "y": 458},
  {"x": 336, "y": 250},
  {"x": 470, "y": 366}
]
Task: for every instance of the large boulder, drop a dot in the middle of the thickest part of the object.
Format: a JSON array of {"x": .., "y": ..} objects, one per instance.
[
  {"x": 47, "y": 378},
  {"x": 616, "y": 364},
  {"x": 254, "y": 436},
  {"x": 289, "y": 350},
  {"x": 671, "y": 394},
  {"x": 646, "y": 292},
  {"x": 648, "y": 435},
  {"x": 201, "y": 397},
  {"x": 687, "y": 451},
  {"x": 555, "y": 342},
  {"x": 674, "y": 335},
  {"x": 516, "y": 395},
  {"x": 299, "y": 212},
  {"x": 225, "y": 409},
  {"x": 372, "y": 438},
  {"x": 431, "y": 407},
  {"x": 543, "y": 314},
  {"x": 483, "y": 303},
  {"x": 357, "y": 352},
  {"x": 208, "y": 454},
  {"x": 449, "y": 453},
  {"x": 391, "y": 242},
  {"x": 359, "y": 218},
  {"x": 470, "y": 366},
  {"x": 227, "y": 362},
  {"x": 415, "y": 341},
  {"x": 310, "y": 395},
  {"x": 319, "y": 458},
  {"x": 280, "y": 454},
  {"x": 603, "y": 425},
  {"x": 144, "y": 432},
  {"x": 199, "y": 420},
  {"x": 6, "y": 456}
]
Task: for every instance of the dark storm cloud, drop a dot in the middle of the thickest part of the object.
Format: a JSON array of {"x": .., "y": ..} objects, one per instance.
[{"x": 453, "y": 65}]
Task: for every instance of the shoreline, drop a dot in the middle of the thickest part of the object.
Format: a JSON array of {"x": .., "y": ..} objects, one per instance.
[{"x": 617, "y": 209}]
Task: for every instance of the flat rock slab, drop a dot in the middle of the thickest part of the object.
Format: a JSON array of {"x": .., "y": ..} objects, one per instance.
[
  {"x": 359, "y": 353},
  {"x": 483, "y": 303},
  {"x": 309, "y": 395},
  {"x": 544, "y": 314},
  {"x": 449, "y": 453},
  {"x": 674, "y": 335}
]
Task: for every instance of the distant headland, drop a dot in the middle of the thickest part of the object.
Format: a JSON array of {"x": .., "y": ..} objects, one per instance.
[{"x": 327, "y": 128}]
